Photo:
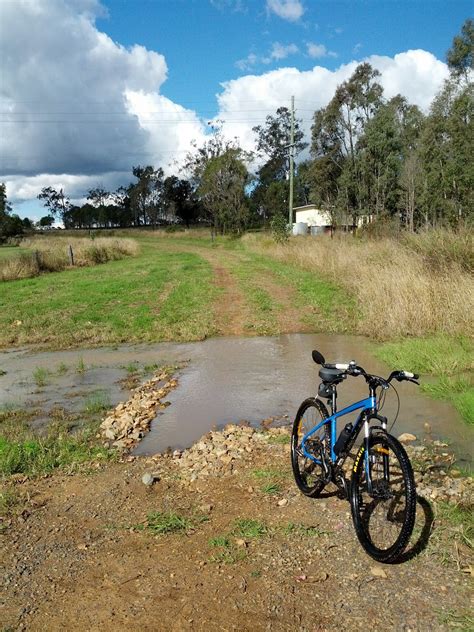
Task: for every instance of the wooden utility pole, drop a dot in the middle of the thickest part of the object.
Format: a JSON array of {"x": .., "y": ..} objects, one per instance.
[{"x": 292, "y": 154}]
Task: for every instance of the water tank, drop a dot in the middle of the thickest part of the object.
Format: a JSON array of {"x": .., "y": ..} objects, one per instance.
[
  {"x": 317, "y": 230},
  {"x": 300, "y": 228}
]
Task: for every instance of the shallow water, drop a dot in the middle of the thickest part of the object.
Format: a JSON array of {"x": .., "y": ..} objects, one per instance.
[{"x": 226, "y": 380}]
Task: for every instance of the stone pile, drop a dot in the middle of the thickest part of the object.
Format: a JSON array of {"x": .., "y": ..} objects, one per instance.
[
  {"x": 436, "y": 475},
  {"x": 127, "y": 423},
  {"x": 218, "y": 453}
]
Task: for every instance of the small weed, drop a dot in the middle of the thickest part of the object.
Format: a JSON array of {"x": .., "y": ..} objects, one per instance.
[
  {"x": 132, "y": 368},
  {"x": 220, "y": 540},
  {"x": 8, "y": 500},
  {"x": 40, "y": 376},
  {"x": 96, "y": 403},
  {"x": 248, "y": 528},
  {"x": 62, "y": 369},
  {"x": 271, "y": 488},
  {"x": 256, "y": 573},
  {"x": 229, "y": 556},
  {"x": 80, "y": 366},
  {"x": 458, "y": 621},
  {"x": 295, "y": 528},
  {"x": 282, "y": 439},
  {"x": 2, "y": 372},
  {"x": 162, "y": 523},
  {"x": 452, "y": 538},
  {"x": 150, "y": 368}
]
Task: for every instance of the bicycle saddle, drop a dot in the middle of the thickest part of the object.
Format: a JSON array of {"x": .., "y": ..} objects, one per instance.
[{"x": 331, "y": 375}]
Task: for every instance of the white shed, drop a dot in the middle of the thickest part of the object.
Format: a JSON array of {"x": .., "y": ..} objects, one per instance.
[{"x": 312, "y": 216}]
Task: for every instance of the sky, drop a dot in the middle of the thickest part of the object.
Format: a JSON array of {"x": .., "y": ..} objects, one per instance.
[{"x": 89, "y": 88}]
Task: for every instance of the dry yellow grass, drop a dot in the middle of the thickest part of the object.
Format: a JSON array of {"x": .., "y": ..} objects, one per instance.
[
  {"x": 399, "y": 290},
  {"x": 51, "y": 254}
]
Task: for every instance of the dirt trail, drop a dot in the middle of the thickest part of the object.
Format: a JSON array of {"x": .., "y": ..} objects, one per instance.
[
  {"x": 232, "y": 309},
  {"x": 78, "y": 558}
]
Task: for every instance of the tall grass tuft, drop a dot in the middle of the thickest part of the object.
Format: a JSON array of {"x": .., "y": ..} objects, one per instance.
[
  {"x": 50, "y": 254},
  {"x": 416, "y": 285}
]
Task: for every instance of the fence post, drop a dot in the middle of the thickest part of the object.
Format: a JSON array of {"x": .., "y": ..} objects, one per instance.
[
  {"x": 37, "y": 260},
  {"x": 71, "y": 255}
]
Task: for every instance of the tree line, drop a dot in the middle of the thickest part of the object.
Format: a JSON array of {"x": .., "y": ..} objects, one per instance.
[{"x": 371, "y": 157}]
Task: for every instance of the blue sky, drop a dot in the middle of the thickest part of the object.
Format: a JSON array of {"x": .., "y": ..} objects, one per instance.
[
  {"x": 90, "y": 88},
  {"x": 203, "y": 41}
]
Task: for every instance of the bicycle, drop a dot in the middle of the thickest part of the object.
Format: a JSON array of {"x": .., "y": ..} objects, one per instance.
[{"x": 382, "y": 489}]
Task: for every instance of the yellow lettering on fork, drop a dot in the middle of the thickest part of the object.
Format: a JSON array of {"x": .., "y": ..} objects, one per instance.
[{"x": 358, "y": 457}]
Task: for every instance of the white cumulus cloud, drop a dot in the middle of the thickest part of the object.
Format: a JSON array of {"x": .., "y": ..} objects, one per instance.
[
  {"x": 75, "y": 102},
  {"x": 416, "y": 74},
  {"x": 290, "y": 10}
]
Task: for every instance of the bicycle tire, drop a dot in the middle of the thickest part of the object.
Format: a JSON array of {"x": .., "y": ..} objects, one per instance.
[
  {"x": 303, "y": 467},
  {"x": 393, "y": 500}
]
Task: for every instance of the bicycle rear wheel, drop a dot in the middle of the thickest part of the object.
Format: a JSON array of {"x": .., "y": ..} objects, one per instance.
[
  {"x": 384, "y": 516},
  {"x": 309, "y": 475}
]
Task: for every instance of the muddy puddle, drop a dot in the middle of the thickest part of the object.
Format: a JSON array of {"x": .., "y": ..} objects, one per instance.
[{"x": 225, "y": 380}]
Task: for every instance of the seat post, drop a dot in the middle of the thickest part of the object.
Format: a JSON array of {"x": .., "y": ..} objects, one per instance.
[{"x": 333, "y": 401}]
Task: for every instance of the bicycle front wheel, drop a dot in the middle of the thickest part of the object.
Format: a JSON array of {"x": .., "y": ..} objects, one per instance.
[
  {"x": 309, "y": 474},
  {"x": 384, "y": 515}
]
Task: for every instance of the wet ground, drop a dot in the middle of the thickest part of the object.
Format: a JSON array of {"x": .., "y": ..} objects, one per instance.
[{"x": 225, "y": 380}]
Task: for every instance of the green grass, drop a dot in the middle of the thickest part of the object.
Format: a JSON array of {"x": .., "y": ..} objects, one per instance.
[
  {"x": 159, "y": 295},
  {"x": 452, "y": 538},
  {"x": 458, "y": 390},
  {"x": 37, "y": 456},
  {"x": 457, "y": 621},
  {"x": 163, "y": 523},
  {"x": 80, "y": 366},
  {"x": 449, "y": 359},
  {"x": 23, "y": 452},
  {"x": 247, "y": 528},
  {"x": 96, "y": 403},
  {"x": 62, "y": 369},
  {"x": 282, "y": 439},
  {"x": 9, "y": 252},
  {"x": 271, "y": 488},
  {"x": 436, "y": 355},
  {"x": 220, "y": 540},
  {"x": 299, "y": 529},
  {"x": 40, "y": 376}
]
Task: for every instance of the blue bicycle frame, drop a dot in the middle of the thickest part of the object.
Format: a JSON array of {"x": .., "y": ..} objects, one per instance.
[{"x": 369, "y": 409}]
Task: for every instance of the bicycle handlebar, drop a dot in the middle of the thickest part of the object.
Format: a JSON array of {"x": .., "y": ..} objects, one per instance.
[{"x": 351, "y": 368}]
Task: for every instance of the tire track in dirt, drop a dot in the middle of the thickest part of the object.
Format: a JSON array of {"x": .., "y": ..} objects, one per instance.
[
  {"x": 234, "y": 313},
  {"x": 234, "y": 310}
]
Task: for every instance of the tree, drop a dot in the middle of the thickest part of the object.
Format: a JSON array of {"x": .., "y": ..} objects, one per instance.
[
  {"x": 178, "y": 199},
  {"x": 146, "y": 195},
  {"x": 273, "y": 140},
  {"x": 388, "y": 137},
  {"x": 98, "y": 198},
  {"x": 10, "y": 225},
  {"x": 460, "y": 56},
  {"x": 447, "y": 147},
  {"x": 56, "y": 201},
  {"x": 197, "y": 159},
  {"x": 335, "y": 134},
  {"x": 46, "y": 222},
  {"x": 222, "y": 190}
]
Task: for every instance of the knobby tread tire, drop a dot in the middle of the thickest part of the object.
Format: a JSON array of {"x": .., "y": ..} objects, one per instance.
[
  {"x": 393, "y": 553},
  {"x": 315, "y": 490}
]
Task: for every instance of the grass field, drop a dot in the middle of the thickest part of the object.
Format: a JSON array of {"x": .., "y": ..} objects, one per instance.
[{"x": 170, "y": 291}]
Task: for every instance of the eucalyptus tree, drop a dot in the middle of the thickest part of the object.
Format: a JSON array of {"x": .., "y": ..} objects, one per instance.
[
  {"x": 335, "y": 133},
  {"x": 57, "y": 202},
  {"x": 273, "y": 142},
  {"x": 222, "y": 191}
]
